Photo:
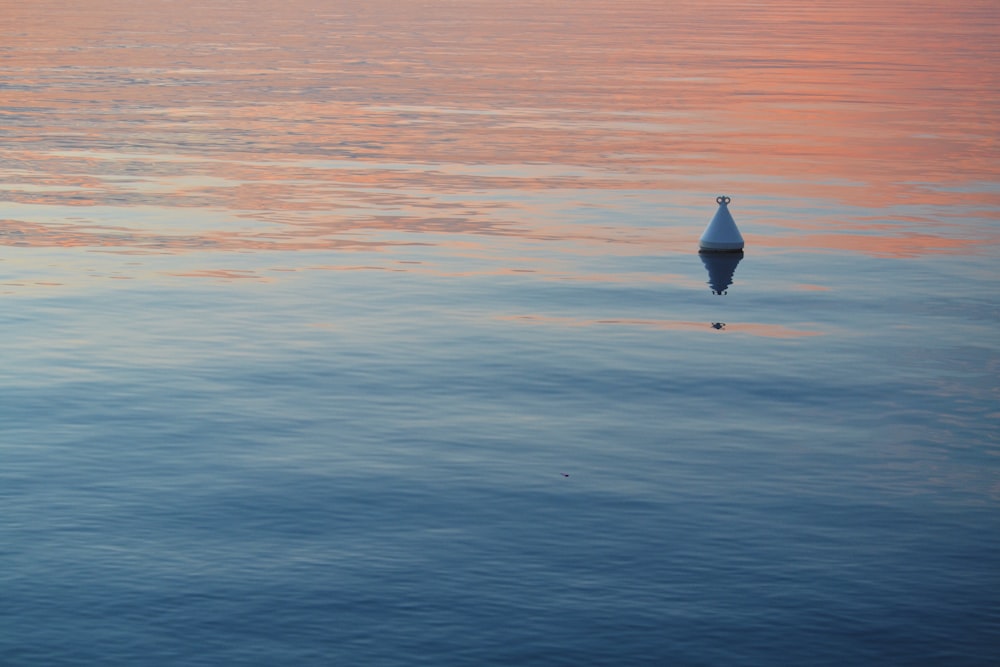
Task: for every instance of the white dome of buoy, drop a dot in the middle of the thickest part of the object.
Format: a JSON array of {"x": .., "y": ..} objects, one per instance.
[{"x": 721, "y": 235}]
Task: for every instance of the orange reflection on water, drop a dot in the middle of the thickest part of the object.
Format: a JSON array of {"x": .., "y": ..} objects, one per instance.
[
  {"x": 908, "y": 244},
  {"x": 225, "y": 274},
  {"x": 751, "y": 328},
  {"x": 326, "y": 120}
]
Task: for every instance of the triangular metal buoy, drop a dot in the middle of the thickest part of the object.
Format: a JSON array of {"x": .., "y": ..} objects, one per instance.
[{"x": 721, "y": 235}]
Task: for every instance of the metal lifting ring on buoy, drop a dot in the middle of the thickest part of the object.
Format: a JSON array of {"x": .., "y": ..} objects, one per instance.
[{"x": 722, "y": 200}]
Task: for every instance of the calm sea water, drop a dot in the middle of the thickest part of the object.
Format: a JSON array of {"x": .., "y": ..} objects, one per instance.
[{"x": 342, "y": 333}]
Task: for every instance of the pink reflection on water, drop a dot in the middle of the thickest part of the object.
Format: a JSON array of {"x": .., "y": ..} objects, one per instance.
[
  {"x": 902, "y": 246},
  {"x": 341, "y": 126},
  {"x": 751, "y": 328},
  {"x": 223, "y": 274}
]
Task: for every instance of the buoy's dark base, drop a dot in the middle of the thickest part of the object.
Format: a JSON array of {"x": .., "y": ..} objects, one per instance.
[{"x": 716, "y": 251}]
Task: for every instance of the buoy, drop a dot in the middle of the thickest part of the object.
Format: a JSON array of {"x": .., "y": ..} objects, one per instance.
[{"x": 721, "y": 235}]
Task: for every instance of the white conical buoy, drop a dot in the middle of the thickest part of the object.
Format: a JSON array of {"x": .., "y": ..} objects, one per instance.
[{"x": 721, "y": 235}]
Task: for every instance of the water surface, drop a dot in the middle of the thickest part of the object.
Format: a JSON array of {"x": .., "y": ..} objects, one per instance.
[{"x": 340, "y": 334}]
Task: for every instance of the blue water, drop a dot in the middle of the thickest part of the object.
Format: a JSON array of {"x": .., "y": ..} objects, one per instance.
[{"x": 423, "y": 394}]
